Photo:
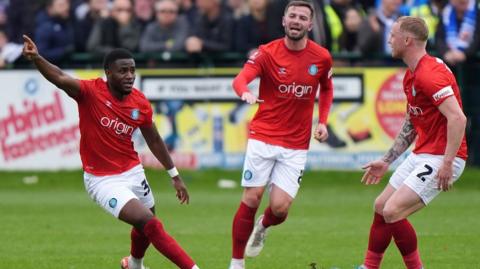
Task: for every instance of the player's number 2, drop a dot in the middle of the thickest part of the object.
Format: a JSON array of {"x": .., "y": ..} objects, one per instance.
[{"x": 425, "y": 173}]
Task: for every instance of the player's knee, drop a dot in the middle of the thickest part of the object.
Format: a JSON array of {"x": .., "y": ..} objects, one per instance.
[
  {"x": 142, "y": 220},
  {"x": 390, "y": 214},
  {"x": 252, "y": 202},
  {"x": 252, "y": 199},
  {"x": 378, "y": 205},
  {"x": 280, "y": 210}
]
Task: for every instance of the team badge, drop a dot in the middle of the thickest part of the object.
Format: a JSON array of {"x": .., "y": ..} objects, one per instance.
[
  {"x": 112, "y": 203},
  {"x": 247, "y": 175},
  {"x": 135, "y": 114},
  {"x": 313, "y": 70},
  {"x": 282, "y": 70}
]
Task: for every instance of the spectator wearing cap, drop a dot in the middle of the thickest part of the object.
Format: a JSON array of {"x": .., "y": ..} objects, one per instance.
[{"x": 168, "y": 32}]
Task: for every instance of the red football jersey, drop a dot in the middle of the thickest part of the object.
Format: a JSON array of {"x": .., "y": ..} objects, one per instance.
[
  {"x": 426, "y": 88},
  {"x": 106, "y": 127},
  {"x": 289, "y": 83}
]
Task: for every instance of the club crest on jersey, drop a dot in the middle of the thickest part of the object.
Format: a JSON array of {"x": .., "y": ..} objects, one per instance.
[
  {"x": 135, "y": 114},
  {"x": 112, "y": 203},
  {"x": 247, "y": 175},
  {"x": 282, "y": 71},
  {"x": 313, "y": 70}
]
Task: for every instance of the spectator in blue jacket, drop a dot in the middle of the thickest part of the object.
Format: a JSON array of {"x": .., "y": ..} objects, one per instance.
[
  {"x": 458, "y": 33},
  {"x": 54, "y": 36}
]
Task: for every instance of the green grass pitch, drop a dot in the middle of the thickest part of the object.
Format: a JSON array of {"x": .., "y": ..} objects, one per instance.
[{"x": 54, "y": 224}]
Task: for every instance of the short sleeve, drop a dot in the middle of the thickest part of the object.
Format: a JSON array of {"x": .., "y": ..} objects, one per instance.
[
  {"x": 148, "y": 111},
  {"x": 437, "y": 85},
  {"x": 257, "y": 60},
  {"x": 86, "y": 87}
]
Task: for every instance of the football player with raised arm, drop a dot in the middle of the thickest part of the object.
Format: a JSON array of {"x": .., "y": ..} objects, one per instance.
[{"x": 109, "y": 112}]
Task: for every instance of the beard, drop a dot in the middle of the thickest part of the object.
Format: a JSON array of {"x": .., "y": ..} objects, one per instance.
[{"x": 297, "y": 37}]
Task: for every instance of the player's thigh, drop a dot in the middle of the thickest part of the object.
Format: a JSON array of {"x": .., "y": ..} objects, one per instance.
[
  {"x": 382, "y": 199},
  {"x": 141, "y": 189},
  {"x": 109, "y": 192},
  {"x": 403, "y": 171},
  {"x": 403, "y": 202},
  {"x": 422, "y": 180},
  {"x": 135, "y": 213},
  {"x": 288, "y": 170},
  {"x": 252, "y": 196},
  {"x": 259, "y": 162},
  {"x": 280, "y": 200}
]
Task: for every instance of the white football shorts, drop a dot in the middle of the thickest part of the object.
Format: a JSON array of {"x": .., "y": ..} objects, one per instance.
[
  {"x": 418, "y": 172},
  {"x": 114, "y": 191},
  {"x": 267, "y": 164}
]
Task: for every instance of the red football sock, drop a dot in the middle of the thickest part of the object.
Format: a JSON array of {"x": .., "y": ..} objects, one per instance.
[
  {"x": 412, "y": 260},
  {"x": 139, "y": 243},
  {"x": 373, "y": 260},
  {"x": 269, "y": 219},
  {"x": 241, "y": 229},
  {"x": 378, "y": 241},
  {"x": 164, "y": 243},
  {"x": 406, "y": 241}
]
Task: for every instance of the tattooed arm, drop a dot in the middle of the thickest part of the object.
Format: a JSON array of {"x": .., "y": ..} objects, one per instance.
[
  {"x": 376, "y": 169},
  {"x": 404, "y": 139}
]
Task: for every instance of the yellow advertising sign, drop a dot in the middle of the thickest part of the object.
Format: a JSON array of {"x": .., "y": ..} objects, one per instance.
[{"x": 205, "y": 124}]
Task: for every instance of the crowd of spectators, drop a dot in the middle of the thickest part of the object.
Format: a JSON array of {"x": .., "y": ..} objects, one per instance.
[{"x": 63, "y": 27}]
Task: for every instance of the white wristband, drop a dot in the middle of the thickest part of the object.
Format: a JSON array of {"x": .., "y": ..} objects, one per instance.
[{"x": 173, "y": 172}]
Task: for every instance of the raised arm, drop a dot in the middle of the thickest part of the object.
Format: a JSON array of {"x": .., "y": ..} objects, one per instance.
[
  {"x": 376, "y": 169},
  {"x": 51, "y": 72},
  {"x": 159, "y": 150},
  {"x": 456, "y": 123}
]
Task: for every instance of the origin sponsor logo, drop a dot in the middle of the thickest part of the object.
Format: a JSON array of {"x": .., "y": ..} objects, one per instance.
[
  {"x": 297, "y": 90},
  {"x": 447, "y": 91},
  {"x": 118, "y": 126}
]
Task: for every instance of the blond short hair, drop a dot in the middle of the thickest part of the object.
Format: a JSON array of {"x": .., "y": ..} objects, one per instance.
[{"x": 415, "y": 26}]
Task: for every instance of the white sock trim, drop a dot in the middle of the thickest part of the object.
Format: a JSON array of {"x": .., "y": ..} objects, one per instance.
[
  {"x": 238, "y": 261},
  {"x": 134, "y": 263}
]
